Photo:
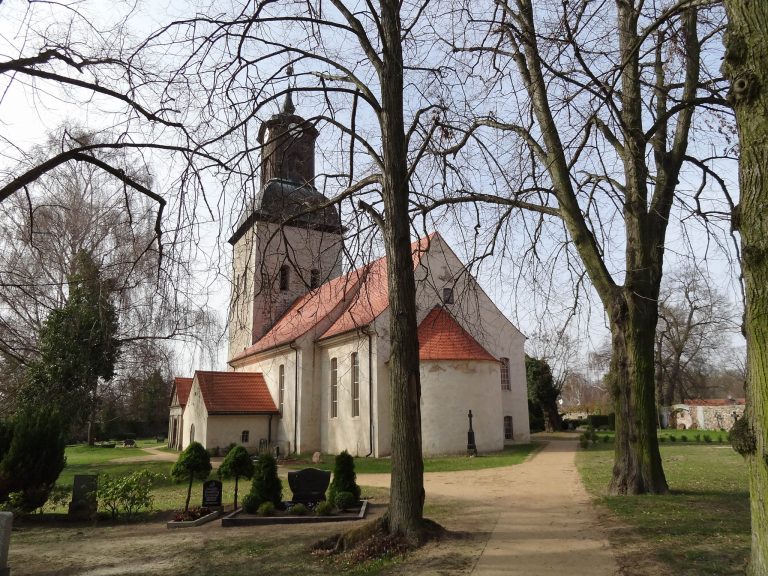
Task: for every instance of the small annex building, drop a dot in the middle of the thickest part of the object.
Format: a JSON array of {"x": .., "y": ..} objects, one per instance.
[{"x": 309, "y": 345}]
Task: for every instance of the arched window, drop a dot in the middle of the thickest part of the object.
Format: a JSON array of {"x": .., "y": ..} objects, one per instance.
[
  {"x": 508, "y": 432},
  {"x": 355, "y": 384},
  {"x": 314, "y": 278},
  {"x": 505, "y": 384},
  {"x": 334, "y": 389},
  {"x": 191, "y": 433},
  {"x": 284, "y": 277}
]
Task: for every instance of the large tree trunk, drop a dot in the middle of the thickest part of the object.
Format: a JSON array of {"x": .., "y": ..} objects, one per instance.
[
  {"x": 552, "y": 420},
  {"x": 637, "y": 465},
  {"x": 407, "y": 485},
  {"x": 746, "y": 65}
]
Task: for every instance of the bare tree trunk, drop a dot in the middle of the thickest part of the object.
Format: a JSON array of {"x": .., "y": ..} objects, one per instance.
[
  {"x": 552, "y": 420},
  {"x": 637, "y": 465},
  {"x": 407, "y": 485},
  {"x": 746, "y": 65}
]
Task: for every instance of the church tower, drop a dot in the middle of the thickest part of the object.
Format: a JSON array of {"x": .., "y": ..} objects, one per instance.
[{"x": 290, "y": 240}]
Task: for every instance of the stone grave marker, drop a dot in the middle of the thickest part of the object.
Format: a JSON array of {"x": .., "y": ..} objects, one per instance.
[
  {"x": 309, "y": 485},
  {"x": 316, "y": 457},
  {"x": 212, "y": 494},
  {"x": 83, "y": 504},
  {"x": 6, "y": 523}
]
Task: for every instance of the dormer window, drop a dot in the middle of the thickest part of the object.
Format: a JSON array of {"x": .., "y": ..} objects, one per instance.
[
  {"x": 314, "y": 279},
  {"x": 284, "y": 277},
  {"x": 447, "y": 295}
]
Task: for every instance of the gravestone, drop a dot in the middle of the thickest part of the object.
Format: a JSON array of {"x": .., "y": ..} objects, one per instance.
[
  {"x": 6, "y": 523},
  {"x": 212, "y": 494},
  {"x": 83, "y": 504},
  {"x": 316, "y": 457},
  {"x": 309, "y": 485}
]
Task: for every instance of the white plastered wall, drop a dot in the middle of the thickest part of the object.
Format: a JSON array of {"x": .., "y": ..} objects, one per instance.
[
  {"x": 195, "y": 414},
  {"x": 345, "y": 431},
  {"x": 449, "y": 389},
  {"x": 223, "y": 430}
]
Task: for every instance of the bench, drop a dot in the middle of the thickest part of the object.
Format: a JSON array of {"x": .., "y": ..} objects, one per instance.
[{"x": 309, "y": 485}]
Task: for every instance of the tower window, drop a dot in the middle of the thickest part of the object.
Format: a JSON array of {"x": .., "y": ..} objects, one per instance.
[
  {"x": 505, "y": 384},
  {"x": 355, "y": 384},
  {"x": 334, "y": 389},
  {"x": 447, "y": 295},
  {"x": 284, "y": 277},
  {"x": 244, "y": 436},
  {"x": 281, "y": 388},
  {"x": 314, "y": 279},
  {"x": 508, "y": 433}
]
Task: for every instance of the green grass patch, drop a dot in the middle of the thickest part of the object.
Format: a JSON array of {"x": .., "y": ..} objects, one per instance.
[
  {"x": 702, "y": 527},
  {"x": 84, "y": 454},
  {"x": 510, "y": 456}
]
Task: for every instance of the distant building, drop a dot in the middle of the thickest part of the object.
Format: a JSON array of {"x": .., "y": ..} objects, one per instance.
[
  {"x": 714, "y": 414},
  {"x": 311, "y": 345}
]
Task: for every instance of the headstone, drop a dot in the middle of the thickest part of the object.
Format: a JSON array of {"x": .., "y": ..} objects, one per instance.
[
  {"x": 309, "y": 485},
  {"x": 83, "y": 504},
  {"x": 212, "y": 494},
  {"x": 6, "y": 523},
  {"x": 316, "y": 458}
]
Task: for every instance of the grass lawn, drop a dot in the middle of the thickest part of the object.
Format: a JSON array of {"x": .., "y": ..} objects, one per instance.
[
  {"x": 509, "y": 456},
  {"x": 701, "y": 528}
]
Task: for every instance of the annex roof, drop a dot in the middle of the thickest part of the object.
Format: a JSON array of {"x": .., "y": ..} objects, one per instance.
[
  {"x": 442, "y": 338},
  {"x": 235, "y": 393},
  {"x": 181, "y": 386}
]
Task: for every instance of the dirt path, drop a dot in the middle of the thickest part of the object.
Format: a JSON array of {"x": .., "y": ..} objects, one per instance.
[{"x": 539, "y": 516}]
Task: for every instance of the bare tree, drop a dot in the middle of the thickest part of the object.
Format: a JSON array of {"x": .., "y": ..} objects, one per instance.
[
  {"x": 746, "y": 66},
  {"x": 602, "y": 100},
  {"x": 694, "y": 322}
]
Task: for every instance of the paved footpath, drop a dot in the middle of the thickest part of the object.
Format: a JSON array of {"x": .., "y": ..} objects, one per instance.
[{"x": 546, "y": 525}]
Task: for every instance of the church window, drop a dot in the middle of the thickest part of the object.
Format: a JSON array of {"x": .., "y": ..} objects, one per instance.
[
  {"x": 281, "y": 388},
  {"x": 192, "y": 433},
  {"x": 314, "y": 278},
  {"x": 244, "y": 436},
  {"x": 334, "y": 389},
  {"x": 284, "y": 277},
  {"x": 508, "y": 434},
  {"x": 355, "y": 384},
  {"x": 505, "y": 385},
  {"x": 447, "y": 295}
]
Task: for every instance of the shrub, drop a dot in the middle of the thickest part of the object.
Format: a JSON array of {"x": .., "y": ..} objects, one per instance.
[
  {"x": 237, "y": 463},
  {"x": 128, "y": 493},
  {"x": 707, "y": 438},
  {"x": 662, "y": 438},
  {"x": 266, "y": 486},
  {"x": 583, "y": 441},
  {"x": 298, "y": 510},
  {"x": 344, "y": 477},
  {"x": 193, "y": 463},
  {"x": 606, "y": 439},
  {"x": 673, "y": 438},
  {"x": 324, "y": 508},
  {"x": 344, "y": 500},
  {"x": 698, "y": 437},
  {"x": 266, "y": 509},
  {"x": 228, "y": 449},
  {"x": 742, "y": 437},
  {"x": 683, "y": 438},
  {"x": 34, "y": 456},
  {"x": 250, "y": 504}
]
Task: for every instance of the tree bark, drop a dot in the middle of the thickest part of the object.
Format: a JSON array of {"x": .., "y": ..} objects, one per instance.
[
  {"x": 407, "y": 484},
  {"x": 637, "y": 465},
  {"x": 746, "y": 65}
]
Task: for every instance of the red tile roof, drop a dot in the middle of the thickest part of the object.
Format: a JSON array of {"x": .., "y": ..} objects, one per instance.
[
  {"x": 235, "y": 393},
  {"x": 441, "y": 338},
  {"x": 182, "y": 386},
  {"x": 715, "y": 402},
  {"x": 373, "y": 297},
  {"x": 306, "y": 313}
]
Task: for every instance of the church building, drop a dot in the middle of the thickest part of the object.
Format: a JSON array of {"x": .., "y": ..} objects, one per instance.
[{"x": 309, "y": 344}]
